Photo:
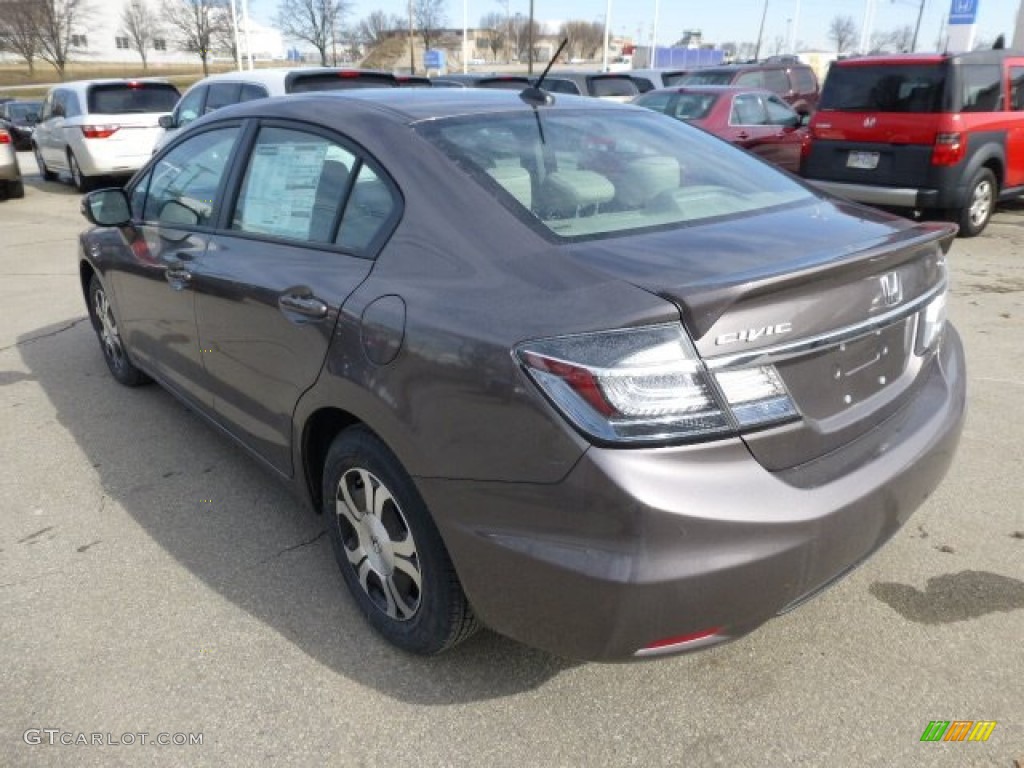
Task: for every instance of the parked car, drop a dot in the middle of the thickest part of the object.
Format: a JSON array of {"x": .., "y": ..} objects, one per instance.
[
  {"x": 654, "y": 79},
  {"x": 11, "y": 184},
  {"x": 587, "y": 376},
  {"x": 228, "y": 88},
  {"x": 936, "y": 133},
  {"x": 795, "y": 83},
  {"x": 20, "y": 118},
  {"x": 92, "y": 128},
  {"x": 757, "y": 120},
  {"x": 614, "y": 86}
]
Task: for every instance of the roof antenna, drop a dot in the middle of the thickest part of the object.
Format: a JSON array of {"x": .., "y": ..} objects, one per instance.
[{"x": 533, "y": 95}]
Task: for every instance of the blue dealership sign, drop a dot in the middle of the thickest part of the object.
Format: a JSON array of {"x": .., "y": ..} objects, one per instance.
[
  {"x": 433, "y": 59},
  {"x": 963, "y": 12}
]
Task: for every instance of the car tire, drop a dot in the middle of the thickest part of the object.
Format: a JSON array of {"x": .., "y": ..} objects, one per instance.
[
  {"x": 982, "y": 194},
  {"x": 388, "y": 549},
  {"x": 80, "y": 181},
  {"x": 45, "y": 172},
  {"x": 15, "y": 189},
  {"x": 101, "y": 313}
]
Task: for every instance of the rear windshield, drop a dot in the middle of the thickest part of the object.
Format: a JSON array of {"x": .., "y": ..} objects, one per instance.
[
  {"x": 705, "y": 78},
  {"x": 502, "y": 83},
  {"x": 612, "y": 86},
  {"x": 917, "y": 88},
  {"x": 337, "y": 81},
  {"x": 20, "y": 110},
  {"x": 125, "y": 98},
  {"x": 601, "y": 173}
]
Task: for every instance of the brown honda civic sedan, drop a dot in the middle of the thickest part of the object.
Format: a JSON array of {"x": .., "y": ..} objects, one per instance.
[{"x": 566, "y": 369}]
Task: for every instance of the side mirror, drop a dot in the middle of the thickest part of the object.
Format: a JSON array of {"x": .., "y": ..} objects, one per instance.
[
  {"x": 107, "y": 208},
  {"x": 167, "y": 122}
]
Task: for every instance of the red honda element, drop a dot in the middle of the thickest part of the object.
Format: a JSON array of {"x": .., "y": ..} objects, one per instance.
[{"x": 939, "y": 134}]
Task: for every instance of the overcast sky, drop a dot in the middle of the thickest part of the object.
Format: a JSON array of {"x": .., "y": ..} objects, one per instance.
[{"x": 720, "y": 21}]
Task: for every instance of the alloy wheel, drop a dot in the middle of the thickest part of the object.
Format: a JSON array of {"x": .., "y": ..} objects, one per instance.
[
  {"x": 379, "y": 544},
  {"x": 109, "y": 335},
  {"x": 981, "y": 203}
]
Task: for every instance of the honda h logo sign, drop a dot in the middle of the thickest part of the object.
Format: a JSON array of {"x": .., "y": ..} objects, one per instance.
[{"x": 869, "y": 122}]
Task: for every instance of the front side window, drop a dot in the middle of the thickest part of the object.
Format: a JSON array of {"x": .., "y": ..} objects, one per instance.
[
  {"x": 185, "y": 182},
  {"x": 191, "y": 106},
  {"x": 294, "y": 187},
  {"x": 803, "y": 80},
  {"x": 587, "y": 174},
  {"x": 754, "y": 79}
]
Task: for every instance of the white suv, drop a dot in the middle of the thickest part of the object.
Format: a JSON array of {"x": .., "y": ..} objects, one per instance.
[{"x": 95, "y": 128}]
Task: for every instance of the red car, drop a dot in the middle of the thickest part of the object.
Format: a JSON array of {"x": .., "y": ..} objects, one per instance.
[{"x": 754, "y": 119}]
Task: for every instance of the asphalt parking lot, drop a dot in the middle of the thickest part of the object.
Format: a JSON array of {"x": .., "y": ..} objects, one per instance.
[{"x": 155, "y": 580}]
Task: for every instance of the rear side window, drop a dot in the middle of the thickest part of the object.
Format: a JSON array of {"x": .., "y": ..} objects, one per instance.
[
  {"x": 191, "y": 105},
  {"x": 222, "y": 95},
  {"x": 916, "y": 88},
  {"x": 125, "y": 98},
  {"x": 337, "y": 81},
  {"x": 673, "y": 78},
  {"x": 1016, "y": 88},
  {"x": 643, "y": 84},
  {"x": 981, "y": 89},
  {"x": 371, "y": 206},
  {"x": 612, "y": 86},
  {"x": 803, "y": 80},
  {"x": 294, "y": 186},
  {"x": 704, "y": 78},
  {"x": 558, "y": 85},
  {"x": 776, "y": 80},
  {"x": 754, "y": 79}
]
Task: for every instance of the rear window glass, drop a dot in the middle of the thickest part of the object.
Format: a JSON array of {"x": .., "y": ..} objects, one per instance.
[
  {"x": 803, "y": 80},
  {"x": 591, "y": 174},
  {"x": 334, "y": 81},
  {"x": 672, "y": 78},
  {"x": 125, "y": 98},
  {"x": 612, "y": 86},
  {"x": 503, "y": 83},
  {"x": 22, "y": 110},
  {"x": 917, "y": 88},
  {"x": 705, "y": 78}
]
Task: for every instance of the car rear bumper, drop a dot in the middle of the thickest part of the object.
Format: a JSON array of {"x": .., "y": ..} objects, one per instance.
[
  {"x": 895, "y": 197},
  {"x": 696, "y": 544}
]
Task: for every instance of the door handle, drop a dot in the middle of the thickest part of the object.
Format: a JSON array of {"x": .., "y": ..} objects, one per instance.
[
  {"x": 742, "y": 135},
  {"x": 306, "y": 305},
  {"x": 177, "y": 274}
]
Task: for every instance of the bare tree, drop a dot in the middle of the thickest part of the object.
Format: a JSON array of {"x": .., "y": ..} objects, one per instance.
[
  {"x": 778, "y": 45},
  {"x": 20, "y": 21},
  {"x": 842, "y": 31},
  {"x": 314, "y": 21},
  {"x": 430, "y": 19},
  {"x": 897, "y": 40},
  {"x": 59, "y": 20},
  {"x": 497, "y": 31},
  {"x": 579, "y": 34},
  {"x": 377, "y": 27},
  {"x": 141, "y": 26},
  {"x": 195, "y": 24}
]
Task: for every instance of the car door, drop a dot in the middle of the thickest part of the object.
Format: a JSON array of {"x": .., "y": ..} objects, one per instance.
[
  {"x": 784, "y": 143},
  {"x": 309, "y": 215},
  {"x": 1015, "y": 124},
  {"x": 748, "y": 121},
  {"x": 175, "y": 204},
  {"x": 51, "y": 126}
]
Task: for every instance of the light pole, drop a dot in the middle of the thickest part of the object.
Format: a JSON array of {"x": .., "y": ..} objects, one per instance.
[
  {"x": 607, "y": 29},
  {"x": 529, "y": 43},
  {"x": 760, "y": 31},
  {"x": 412, "y": 53},
  {"x": 654, "y": 36}
]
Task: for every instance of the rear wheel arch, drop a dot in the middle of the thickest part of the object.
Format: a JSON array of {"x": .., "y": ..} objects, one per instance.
[
  {"x": 318, "y": 434},
  {"x": 85, "y": 276}
]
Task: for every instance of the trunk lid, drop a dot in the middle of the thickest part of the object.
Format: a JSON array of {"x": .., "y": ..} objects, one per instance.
[{"x": 834, "y": 308}]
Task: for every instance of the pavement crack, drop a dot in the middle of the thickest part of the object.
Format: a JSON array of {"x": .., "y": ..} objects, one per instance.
[
  {"x": 31, "y": 339},
  {"x": 293, "y": 547}
]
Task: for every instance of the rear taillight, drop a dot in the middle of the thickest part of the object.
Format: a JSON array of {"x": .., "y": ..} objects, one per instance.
[
  {"x": 5, "y": 137},
  {"x": 648, "y": 385},
  {"x": 99, "y": 131},
  {"x": 949, "y": 149}
]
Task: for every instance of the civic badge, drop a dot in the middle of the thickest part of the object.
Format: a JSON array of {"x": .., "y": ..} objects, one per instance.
[
  {"x": 892, "y": 289},
  {"x": 869, "y": 122}
]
